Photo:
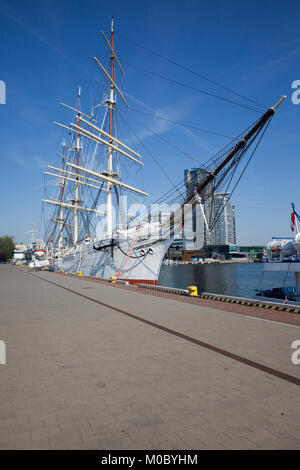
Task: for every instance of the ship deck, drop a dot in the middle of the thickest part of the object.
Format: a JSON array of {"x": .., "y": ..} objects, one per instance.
[{"x": 90, "y": 365}]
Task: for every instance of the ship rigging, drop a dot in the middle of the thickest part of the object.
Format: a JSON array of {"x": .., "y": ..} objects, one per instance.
[{"x": 133, "y": 247}]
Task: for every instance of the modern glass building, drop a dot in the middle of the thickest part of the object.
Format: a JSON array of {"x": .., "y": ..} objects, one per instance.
[
  {"x": 195, "y": 232},
  {"x": 224, "y": 212},
  {"x": 217, "y": 210}
]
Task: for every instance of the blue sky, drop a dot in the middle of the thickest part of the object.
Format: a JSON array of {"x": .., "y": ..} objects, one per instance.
[{"x": 46, "y": 51}]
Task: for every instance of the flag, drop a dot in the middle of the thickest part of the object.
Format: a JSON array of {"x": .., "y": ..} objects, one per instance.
[{"x": 293, "y": 220}]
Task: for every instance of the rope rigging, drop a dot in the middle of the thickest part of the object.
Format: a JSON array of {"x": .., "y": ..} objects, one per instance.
[
  {"x": 185, "y": 85},
  {"x": 223, "y": 170},
  {"x": 192, "y": 71},
  {"x": 157, "y": 116},
  {"x": 177, "y": 193},
  {"x": 242, "y": 173},
  {"x": 153, "y": 157},
  {"x": 195, "y": 160}
]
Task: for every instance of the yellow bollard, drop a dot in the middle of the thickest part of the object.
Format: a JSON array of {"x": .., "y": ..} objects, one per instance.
[
  {"x": 113, "y": 279},
  {"x": 193, "y": 291},
  {"x": 79, "y": 273}
]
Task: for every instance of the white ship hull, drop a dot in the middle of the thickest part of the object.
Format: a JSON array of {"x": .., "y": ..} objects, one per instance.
[{"x": 140, "y": 264}]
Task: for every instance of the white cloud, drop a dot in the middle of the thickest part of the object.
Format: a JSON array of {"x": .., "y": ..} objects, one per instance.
[
  {"x": 40, "y": 163},
  {"x": 174, "y": 113},
  {"x": 35, "y": 163},
  {"x": 270, "y": 66}
]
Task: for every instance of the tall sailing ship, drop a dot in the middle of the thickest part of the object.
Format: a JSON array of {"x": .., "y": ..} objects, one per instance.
[{"x": 125, "y": 247}]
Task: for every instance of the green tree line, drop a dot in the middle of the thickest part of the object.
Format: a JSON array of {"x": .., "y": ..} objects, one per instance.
[{"x": 7, "y": 246}]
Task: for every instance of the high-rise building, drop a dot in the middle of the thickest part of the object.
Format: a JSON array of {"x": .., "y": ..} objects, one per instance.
[
  {"x": 224, "y": 212},
  {"x": 195, "y": 231},
  {"x": 217, "y": 210}
]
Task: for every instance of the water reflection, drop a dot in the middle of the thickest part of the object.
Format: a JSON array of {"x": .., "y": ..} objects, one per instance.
[{"x": 230, "y": 279}]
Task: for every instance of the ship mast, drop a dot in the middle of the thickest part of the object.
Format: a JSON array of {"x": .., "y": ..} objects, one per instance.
[
  {"x": 92, "y": 133},
  {"x": 241, "y": 146},
  {"x": 76, "y": 200},
  {"x": 33, "y": 232},
  {"x": 238, "y": 147},
  {"x": 61, "y": 220},
  {"x": 111, "y": 104}
]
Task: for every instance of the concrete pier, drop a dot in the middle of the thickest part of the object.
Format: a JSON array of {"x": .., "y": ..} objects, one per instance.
[{"x": 91, "y": 365}]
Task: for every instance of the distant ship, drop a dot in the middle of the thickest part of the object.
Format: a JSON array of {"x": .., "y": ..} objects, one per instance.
[
  {"x": 133, "y": 250},
  {"x": 284, "y": 257},
  {"x": 37, "y": 251}
]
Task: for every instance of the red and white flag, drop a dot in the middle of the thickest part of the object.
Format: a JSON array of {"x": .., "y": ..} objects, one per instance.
[{"x": 293, "y": 221}]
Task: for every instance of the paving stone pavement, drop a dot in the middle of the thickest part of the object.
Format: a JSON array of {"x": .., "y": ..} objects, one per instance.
[{"x": 80, "y": 375}]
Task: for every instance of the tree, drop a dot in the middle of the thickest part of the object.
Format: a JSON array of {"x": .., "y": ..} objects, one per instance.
[{"x": 7, "y": 246}]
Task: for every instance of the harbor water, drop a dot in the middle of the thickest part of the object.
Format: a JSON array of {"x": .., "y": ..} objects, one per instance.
[{"x": 236, "y": 279}]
